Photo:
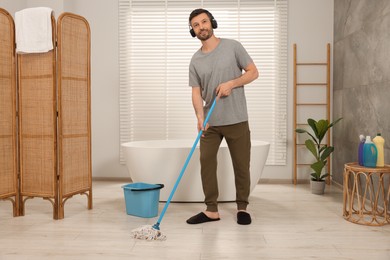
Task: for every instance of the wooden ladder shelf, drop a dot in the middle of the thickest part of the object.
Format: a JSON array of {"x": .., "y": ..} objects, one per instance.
[{"x": 308, "y": 104}]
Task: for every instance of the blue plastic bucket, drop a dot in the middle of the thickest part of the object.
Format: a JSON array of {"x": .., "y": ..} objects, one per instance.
[{"x": 142, "y": 199}]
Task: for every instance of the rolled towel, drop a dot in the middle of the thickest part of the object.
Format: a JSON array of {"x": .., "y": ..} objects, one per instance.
[{"x": 33, "y": 30}]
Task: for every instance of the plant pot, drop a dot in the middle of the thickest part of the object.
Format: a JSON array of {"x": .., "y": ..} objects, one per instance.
[{"x": 317, "y": 187}]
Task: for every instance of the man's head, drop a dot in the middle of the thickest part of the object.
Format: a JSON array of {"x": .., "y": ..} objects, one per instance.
[{"x": 202, "y": 24}]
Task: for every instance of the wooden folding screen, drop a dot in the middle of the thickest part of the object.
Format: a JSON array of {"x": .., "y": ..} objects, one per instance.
[
  {"x": 54, "y": 118},
  {"x": 74, "y": 119},
  {"x": 8, "y": 163}
]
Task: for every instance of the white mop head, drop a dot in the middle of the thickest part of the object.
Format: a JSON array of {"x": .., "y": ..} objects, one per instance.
[{"x": 148, "y": 233}]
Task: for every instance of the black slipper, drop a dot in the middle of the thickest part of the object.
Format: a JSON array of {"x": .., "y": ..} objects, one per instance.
[
  {"x": 243, "y": 218},
  {"x": 200, "y": 218}
]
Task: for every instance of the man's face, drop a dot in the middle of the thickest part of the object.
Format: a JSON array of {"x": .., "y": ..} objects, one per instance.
[{"x": 202, "y": 27}]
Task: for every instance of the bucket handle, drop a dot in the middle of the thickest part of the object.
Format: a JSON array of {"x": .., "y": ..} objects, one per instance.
[{"x": 160, "y": 186}]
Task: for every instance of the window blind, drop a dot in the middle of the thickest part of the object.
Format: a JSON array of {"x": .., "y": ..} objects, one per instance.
[{"x": 156, "y": 48}]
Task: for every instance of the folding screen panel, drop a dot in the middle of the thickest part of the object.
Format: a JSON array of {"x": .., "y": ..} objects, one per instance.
[
  {"x": 38, "y": 126},
  {"x": 74, "y": 103},
  {"x": 8, "y": 165}
]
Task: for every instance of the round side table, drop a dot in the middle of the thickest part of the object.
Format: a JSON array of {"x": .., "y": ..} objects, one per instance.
[{"x": 365, "y": 198}]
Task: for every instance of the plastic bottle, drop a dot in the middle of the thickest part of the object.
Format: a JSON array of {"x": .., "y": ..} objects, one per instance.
[
  {"x": 370, "y": 153},
  {"x": 379, "y": 142},
  {"x": 360, "y": 152}
]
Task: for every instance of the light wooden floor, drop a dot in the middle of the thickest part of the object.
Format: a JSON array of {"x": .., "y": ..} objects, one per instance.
[{"x": 288, "y": 223}]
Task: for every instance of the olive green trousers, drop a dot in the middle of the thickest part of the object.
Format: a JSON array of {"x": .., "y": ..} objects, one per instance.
[{"x": 238, "y": 139}]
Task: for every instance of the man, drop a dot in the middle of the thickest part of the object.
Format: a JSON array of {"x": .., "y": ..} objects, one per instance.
[{"x": 216, "y": 69}]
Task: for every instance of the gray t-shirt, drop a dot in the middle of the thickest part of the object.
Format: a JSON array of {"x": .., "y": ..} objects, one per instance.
[{"x": 208, "y": 70}]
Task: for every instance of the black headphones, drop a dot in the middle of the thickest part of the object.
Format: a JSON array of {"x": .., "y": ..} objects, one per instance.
[{"x": 214, "y": 23}]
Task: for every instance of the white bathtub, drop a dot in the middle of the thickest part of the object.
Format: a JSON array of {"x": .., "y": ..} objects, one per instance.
[{"x": 160, "y": 161}]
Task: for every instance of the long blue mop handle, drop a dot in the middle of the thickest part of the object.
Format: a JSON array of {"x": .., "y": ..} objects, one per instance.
[{"x": 157, "y": 225}]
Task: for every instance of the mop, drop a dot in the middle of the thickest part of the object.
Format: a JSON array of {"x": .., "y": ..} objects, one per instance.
[{"x": 149, "y": 232}]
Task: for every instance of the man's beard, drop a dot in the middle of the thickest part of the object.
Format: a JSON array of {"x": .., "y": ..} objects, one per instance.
[{"x": 203, "y": 37}]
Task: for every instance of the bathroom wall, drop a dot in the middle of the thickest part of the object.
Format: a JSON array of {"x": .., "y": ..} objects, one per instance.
[
  {"x": 102, "y": 17},
  {"x": 56, "y": 5},
  {"x": 310, "y": 26},
  {"x": 361, "y": 77},
  {"x": 12, "y": 6}
]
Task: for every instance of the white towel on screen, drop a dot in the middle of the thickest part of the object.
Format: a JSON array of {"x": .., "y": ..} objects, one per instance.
[{"x": 33, "y": 30}]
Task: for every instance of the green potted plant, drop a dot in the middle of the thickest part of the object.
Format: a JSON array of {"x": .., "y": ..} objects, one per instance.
[{"x": 321, "y": 152}]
